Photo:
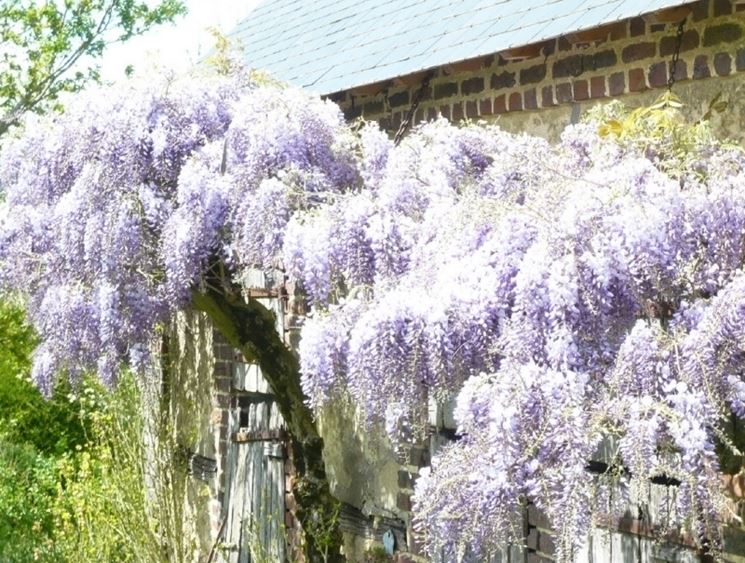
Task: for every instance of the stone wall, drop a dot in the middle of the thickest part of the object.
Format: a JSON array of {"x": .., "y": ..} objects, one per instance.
[{"x": 559, "y": 78}]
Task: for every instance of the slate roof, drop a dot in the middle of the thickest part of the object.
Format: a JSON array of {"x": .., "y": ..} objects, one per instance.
[{"x": 328, "y": 46}]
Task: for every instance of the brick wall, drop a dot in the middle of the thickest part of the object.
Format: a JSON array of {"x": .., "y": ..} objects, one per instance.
[
  {"x": 221, "y": 400},
  {"x": 631, "y": 57}
]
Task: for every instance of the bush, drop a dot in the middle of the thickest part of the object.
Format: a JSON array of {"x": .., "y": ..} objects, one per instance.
[
  {"x": 34, "y": 435},
  {"x": 121, "y": 497},
  {"x": 28, "y": 486}
]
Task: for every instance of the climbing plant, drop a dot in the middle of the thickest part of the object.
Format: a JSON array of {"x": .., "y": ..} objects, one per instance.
[{"x": 568, "y": 294}]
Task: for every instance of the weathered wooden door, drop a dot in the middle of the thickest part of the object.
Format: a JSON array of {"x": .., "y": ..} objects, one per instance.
[
  {"x": 255, "y": 500},
  {"x": 256, "y": 473}
]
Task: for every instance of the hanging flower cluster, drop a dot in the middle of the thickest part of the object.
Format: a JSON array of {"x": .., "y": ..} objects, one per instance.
[{"x": 567, "y": 294}]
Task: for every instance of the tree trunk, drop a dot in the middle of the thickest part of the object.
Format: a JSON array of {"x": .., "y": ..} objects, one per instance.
[{"x": 251, "y": 328}]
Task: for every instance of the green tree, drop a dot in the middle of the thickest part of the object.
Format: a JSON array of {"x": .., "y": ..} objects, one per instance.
[
  {"x": 52, "y": 426},
  {"x": 52, "y": 46}
]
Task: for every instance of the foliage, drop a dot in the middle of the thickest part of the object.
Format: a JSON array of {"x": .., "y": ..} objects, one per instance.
[
  {"x": 568, "y": 294},
  {"x": 45, "y": 44},
  {"x": 54, "y": 426},
  {"x": 28, "y": 481},
  {"x": 661, "y": 131},
  {"x": 34, "y": 434},
  {"x": 117, "y": 499}
]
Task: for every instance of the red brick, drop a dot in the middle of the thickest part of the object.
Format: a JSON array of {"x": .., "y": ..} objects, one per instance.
[
  {"x": 403, "y": 502},
  {"x": 549, "y": 47},
  {"x": 396, "y": 120},
  {"x": 722, "y": 7},
  {"x": 431, "y": 114},
  {"x": 724, "y": 33},
  {"x": 597, "y": 87},
  {"x": 658, "y": 75},
  {"x": 533, "y": 74},
  {"x": 567, "y": 67},
  {"x": 637, "y": 26},
  {"x": 616, "y": 83},
  {"x": 445, "y": 111},
  {"x": 564, "y": 93},
  {"x": 603, "y": 59},
  {"x": 457, "y": 111},
  {"x": 619, "y": 31},
  {"x": 688, "y": 42},
  {"x": 700, "y": 10},
  {"x": 373, "y": 107},
  {"x": 472, "y": 110},
  {"x": 701, "y": 67},
  {"x": 399, "y": 99},
  {"x": 405, "y": 479},
  {"x": 638, "y": 51},
  {"x": 516, "y": 101},
  {"x": 680, "y": 71},
  {"x": 502, "y": 80},
  {"x": 530, "y": 99},
  {"x": 581, "y": 90},
  {"x": 473, "y": 85},
  {"x": 500, "y": 104},
  {"x": 446, "y": 90},
  {"x": 564, "y": 44},
  {"x": 722, "y": 64},
  {"x": 547, "y": 96},
  {"x": 637, "y": 80},
  {"x": 485, "y": 106}
]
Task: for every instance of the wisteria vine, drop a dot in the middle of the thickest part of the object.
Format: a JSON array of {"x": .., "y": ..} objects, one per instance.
[{"x": 570, "y": 295}]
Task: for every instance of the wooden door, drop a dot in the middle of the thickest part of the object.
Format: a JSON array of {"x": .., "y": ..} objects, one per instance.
[{"x": 255, "y": 530}]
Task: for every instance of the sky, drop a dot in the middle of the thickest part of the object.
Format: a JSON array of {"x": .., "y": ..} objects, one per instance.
[{"x": 176, "y": 46}]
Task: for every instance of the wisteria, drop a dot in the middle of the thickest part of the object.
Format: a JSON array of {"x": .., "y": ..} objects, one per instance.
[{"x": 573, "y": 297}]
